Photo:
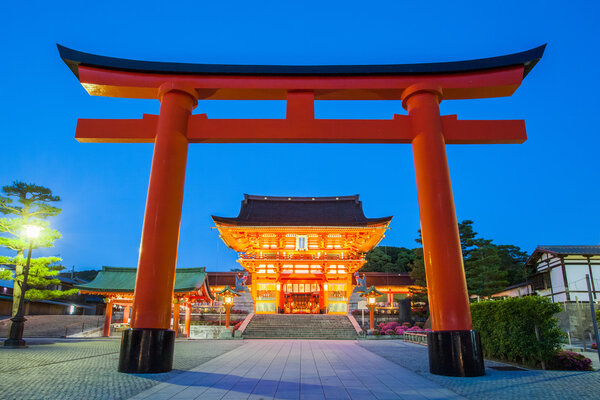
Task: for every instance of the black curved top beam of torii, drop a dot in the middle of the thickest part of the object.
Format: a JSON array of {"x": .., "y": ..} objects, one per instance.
[{"x": 74, "y": 58}]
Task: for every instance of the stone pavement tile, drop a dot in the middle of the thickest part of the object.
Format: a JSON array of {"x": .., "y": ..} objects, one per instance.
[
  {"x": 267, "y": 386},
  {"x": 87, "y": 369},
  {"x": 390, "y": 381},
  {"x": 501, "y": 385},
  {"x": 216, "y": 378},
  {"x": 298, "y": 369}
]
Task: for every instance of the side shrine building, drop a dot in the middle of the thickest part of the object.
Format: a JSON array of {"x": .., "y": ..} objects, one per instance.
[{"x": 301, "y": 252}]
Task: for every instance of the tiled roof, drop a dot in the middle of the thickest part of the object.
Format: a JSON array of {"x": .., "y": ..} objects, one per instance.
[
  {"x": 562, "y": 250},
  {"x": 581, "y": 250},
  {"x": 119, "y": 279},
  {"x": 301, "y": 211}
]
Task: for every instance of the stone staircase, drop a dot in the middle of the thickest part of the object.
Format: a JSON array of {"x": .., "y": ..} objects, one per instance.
[{"x": 300, "y": 326}]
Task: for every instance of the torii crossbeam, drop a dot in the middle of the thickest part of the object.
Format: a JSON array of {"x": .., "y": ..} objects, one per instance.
[{"x": 454, "y": 348}]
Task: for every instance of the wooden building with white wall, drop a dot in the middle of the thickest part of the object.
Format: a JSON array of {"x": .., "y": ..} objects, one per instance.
[{"x": 560, "y": 272}]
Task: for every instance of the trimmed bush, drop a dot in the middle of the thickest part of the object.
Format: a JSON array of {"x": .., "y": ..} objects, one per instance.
[{"x": 507, "y": 329}]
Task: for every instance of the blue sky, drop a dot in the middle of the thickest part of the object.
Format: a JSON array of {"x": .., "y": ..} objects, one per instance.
[{"x": 545, "y": 191}]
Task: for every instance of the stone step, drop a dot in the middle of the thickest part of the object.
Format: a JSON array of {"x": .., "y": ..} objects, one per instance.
[{"x": 313, "y": 326}]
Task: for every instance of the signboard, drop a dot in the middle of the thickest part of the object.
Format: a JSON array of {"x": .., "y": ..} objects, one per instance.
[{"x": 362, "y": 305}]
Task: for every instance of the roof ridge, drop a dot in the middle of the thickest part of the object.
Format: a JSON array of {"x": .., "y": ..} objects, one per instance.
[
  {"x": 568, "y": 245},
  {"x": 300, "y": 198}
]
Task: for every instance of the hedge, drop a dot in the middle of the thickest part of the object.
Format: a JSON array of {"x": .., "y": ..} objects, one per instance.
[{"x": 507, "y": 329}]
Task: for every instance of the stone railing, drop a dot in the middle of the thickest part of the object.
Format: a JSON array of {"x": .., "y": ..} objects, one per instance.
[{"x": 412, "y": 337}]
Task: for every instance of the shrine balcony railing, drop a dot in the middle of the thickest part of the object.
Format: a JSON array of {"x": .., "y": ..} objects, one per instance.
[{"x": 280, "y": 257}]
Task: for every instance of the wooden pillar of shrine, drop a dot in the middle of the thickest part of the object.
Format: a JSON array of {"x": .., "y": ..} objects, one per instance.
[
  {"x": 176, "y": 307},
  {"x": 254, "y": 290},
  {"x": 454, "y": 348},
  {"x": 107, "y": 317},
  {"x": 126, "y": 313},
  {"x": 188, "y": 318}
]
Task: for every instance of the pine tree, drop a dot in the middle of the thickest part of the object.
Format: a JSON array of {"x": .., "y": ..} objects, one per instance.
[
  {"x": 489, "y": 268},
  {"x": 29, "y": 204},
  {"x": 484, "y": 271}
]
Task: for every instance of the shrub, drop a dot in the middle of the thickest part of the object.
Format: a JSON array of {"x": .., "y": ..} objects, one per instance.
[
  {"x": 406, "y": 324},
  {"x": 570, "y": 361},
  {"x": 374, "y": 332},
  {"x": 392, "y": 325},
  {"x": 389, "y": 332},
  {"x": 414, "y": 329},
  {"x": 507, "y": 329},
  {"x": 594, "y": 346}
]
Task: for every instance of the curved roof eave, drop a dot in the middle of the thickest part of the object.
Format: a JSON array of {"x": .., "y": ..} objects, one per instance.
[
  {"x": 241, "y": 223},
  {"x": 74, "y": 58}
]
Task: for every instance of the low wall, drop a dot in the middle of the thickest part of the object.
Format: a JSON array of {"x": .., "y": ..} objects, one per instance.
[
  {"x": 206, "y": 331},
  {"x": 379, "y": 318},
  {"x": 576, "y": 319}
]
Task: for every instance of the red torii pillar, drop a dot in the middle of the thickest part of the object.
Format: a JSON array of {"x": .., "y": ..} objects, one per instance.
[
  {"x": 155, "y": 281},
  {"x": 454, "y": 349},
  {"x": 446, "y": 282}
]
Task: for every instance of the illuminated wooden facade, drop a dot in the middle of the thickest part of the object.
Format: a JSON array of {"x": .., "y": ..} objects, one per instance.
[{"x": 301, "y": 252}]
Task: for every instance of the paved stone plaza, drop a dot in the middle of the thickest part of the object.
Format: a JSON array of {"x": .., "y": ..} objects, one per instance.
[
  {"x": 87, "y": 369},
  {"x": 266, "y": 369}
]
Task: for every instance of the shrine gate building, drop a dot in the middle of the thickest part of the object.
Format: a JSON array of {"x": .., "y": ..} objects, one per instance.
[{"x": 301, "y": 252}]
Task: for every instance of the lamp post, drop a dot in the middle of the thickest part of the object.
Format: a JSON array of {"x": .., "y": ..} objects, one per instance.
[
  {"x": 371, "y": 294},
  {"x": 15, "y": 333},
  {"x": 228, "y": 295}
]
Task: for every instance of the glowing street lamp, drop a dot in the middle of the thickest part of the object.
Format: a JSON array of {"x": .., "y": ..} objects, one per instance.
[
  {"x": 228, "y": 295},
  {"x": 15, "y": 334},
  {"x": 371, "y": 294}
]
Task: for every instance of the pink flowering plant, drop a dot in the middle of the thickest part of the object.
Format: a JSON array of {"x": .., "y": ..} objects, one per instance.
[
  {"x": 394, "y": 328},
  {"x": 570, "y": 361}
]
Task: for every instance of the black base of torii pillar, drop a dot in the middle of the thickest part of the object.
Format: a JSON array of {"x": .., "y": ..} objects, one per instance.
[{"x": 147, "y": 351}]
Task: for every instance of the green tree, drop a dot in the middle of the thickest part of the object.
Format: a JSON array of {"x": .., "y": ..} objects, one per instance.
[
  {"x": 484, "y": 271},
  {"x": 25, "y": 204},
  {"x": 513, "y": 261},
  {"x": 417, "y": 268},
  {"x": 377, "y": 261},
  {"x": 489, "y": 268},
  {"x": 388, "y": 259}
]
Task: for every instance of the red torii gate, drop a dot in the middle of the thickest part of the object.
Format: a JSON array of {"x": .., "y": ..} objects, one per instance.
[{"x": 454, "y": 348}]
